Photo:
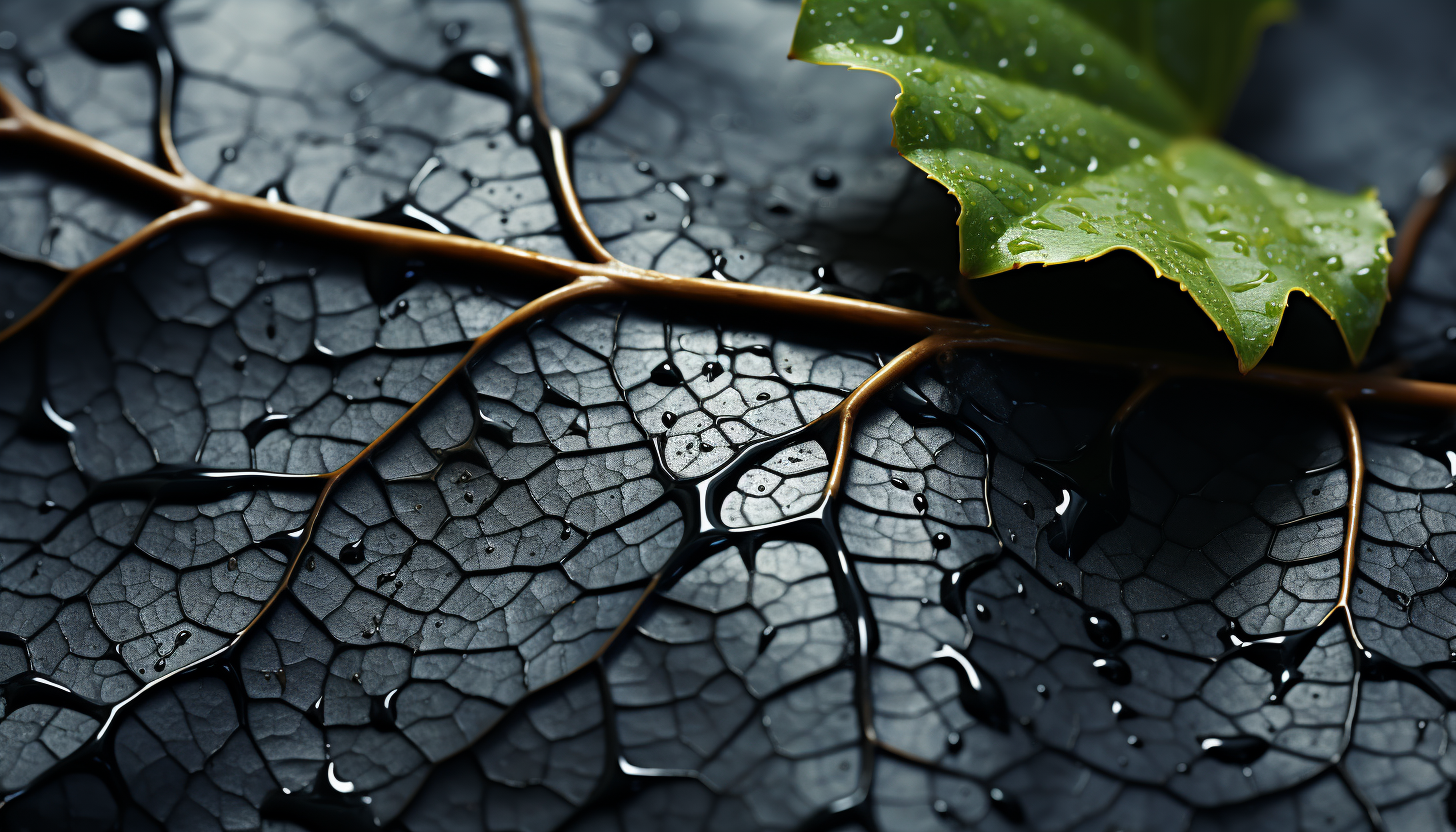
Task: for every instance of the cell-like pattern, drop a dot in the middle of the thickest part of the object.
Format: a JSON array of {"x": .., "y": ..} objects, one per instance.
[
  {"x": 228, "y": 351},
  {"x": 409, "y": 112},
  {"x": 120, "y": 595},
  {"x": 149, "y": 425},
  {"x": 722, "y": 159},
  {"x": 23, "y": 285},
  {"x": 42, "y": 64},
  {"x": 789, "y": 484},
  {"x": 497, "y": 544},
  {"x": 56, "y": 217},
  {"x": 593, "y": 582},
  {"x": 736, "y": 680}
]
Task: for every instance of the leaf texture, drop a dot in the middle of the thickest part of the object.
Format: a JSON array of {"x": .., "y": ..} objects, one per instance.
[
  {"x": 1062, "y": 142},
  {"x": 300, "y": 531}
]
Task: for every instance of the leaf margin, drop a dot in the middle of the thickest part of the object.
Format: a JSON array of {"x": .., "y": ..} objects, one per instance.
[{"x": 1356, "y": 336}]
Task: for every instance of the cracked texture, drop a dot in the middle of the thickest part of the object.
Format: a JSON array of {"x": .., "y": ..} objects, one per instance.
[{"x": 591, "y": 582}]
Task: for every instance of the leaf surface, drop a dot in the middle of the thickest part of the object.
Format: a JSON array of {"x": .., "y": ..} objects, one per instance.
[{"x": 1066, "y": 136}]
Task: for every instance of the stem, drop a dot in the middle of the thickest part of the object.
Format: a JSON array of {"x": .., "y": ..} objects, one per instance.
[
  {"x": 1350, "y": 552},
  {"x": 1434, "y": 187},
  {"x": 558, "y": 172}
]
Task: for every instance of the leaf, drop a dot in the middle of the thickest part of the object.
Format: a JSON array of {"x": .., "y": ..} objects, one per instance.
[
  {"x": 721, "y": 156},
  {"x": 1063, "y": 142},
  {"x": 590, "y": 583}
]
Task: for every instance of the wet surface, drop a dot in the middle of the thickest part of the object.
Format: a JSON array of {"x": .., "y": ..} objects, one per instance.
[{"x": 303, "y": 534}]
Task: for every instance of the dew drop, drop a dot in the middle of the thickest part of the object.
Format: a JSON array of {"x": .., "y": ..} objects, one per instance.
[
  {"x": 941, "y": 540},
  {"x": 666, "y": 375},
  {"x": 1103, "y": 630},
  {"x": 1113, "y": 669},
  {"x": 826, "y": 177},
  {"x": 1239, "y": 751},
  {"x": 117, "y": 34},
  {"x": 352, "y": 553},
  {"x": 1007, "y": 805},
  {"x": 921, "y": 504},
  {"x": 482, "y": 72},
  {"x": 899, "y": 483},
  {"x": 669, "y": 418},
  {"x": 765, "y": 637}
]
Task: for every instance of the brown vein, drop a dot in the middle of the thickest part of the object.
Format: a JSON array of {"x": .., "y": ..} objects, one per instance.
[
  {"x": 558, "y": 172},
  {"x": 1351, "y": 430},
  {"x": 1434, "y": 187}
]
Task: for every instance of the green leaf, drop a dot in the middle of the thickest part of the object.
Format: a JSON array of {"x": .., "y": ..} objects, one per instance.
[{"x": 1071, "y": 129}]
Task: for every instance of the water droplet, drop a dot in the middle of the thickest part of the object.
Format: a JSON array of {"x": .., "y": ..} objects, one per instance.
[
  {"x": 641, "y": 38},
  {"x": 941, "y": 540},
  {"x": 920, "y": 503},
  {"x": 117, "y": 34},
  {"x": 826, "y": 177},
  {"x": 482, "y": 72},
  {"x": 669, "y": 418},
  {"x": 1240, "y": 751},
  {"x": 1023, "y": 245},
  {"x": 352, "y": 553},
  {"x": 666, "y": 375},
  {"x": 1103, "y": 630},
  {"x": 899, "y": 483},
  {"x": 1113, "y": 669},
  {"x": 1007, "y": 805}
]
